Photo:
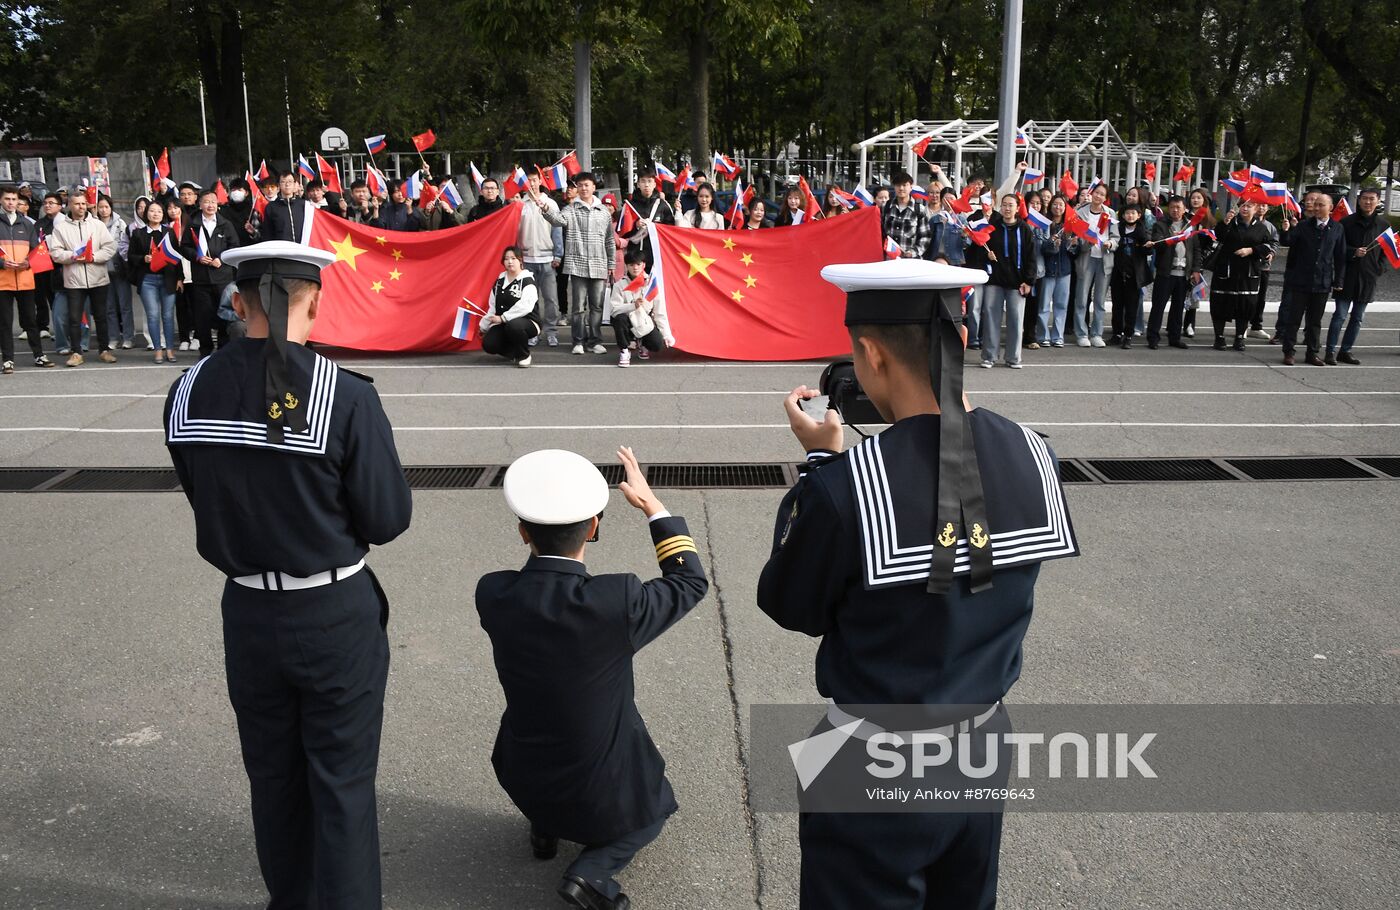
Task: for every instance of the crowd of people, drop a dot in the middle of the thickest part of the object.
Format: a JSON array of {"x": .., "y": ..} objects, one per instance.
[{"x": 1150, "y": 258}]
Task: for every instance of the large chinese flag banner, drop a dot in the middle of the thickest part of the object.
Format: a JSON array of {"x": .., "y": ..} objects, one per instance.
[
  {"x": 399, "y": 291},
  {"x": 759, "y": 295}
]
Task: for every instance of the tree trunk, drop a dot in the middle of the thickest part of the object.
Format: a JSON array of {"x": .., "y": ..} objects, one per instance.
[
  {"x": 700, "y": 98},
  {"x": 228, "y": 104},
  {"x": 1303, "y": 128}
]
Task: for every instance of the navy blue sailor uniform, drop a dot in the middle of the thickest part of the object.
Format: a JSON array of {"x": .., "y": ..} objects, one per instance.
[
  {"x": 856, "y": 548},
  {"x": 288, "y": 515}
]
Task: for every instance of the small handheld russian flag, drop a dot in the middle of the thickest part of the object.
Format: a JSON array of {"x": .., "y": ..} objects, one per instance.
[
  {"x": 1037, "y": 220},
  {"x": 664, "y": 174},
  {"x": 84, "y": 252},
  {"x": 464, "y": 326},
  {"x": 892, "y": 250},
  {"x": 201, "y": 243},
  {"x": 863, "y": 195},
  {"x": 919, "y": 192},
  {"x": 450, "y": 194},
  {"x": 1275, "y": 193},
  {"x": 1258, "y": 173},
  {"x": 375, "y": 180},
  {"x": 967, "y": 299},
  {"x": 653, "y": 288},
  {"x": 980, "y": 234},
  {"x": 305, "y": 169},
  {"x": 556, "y": 177},
  {"x": 164, "y": 254},
  {"x": 725, "y": 165},
  {"x": 477, "y": 177},
  {"x": 376, "y": 144},
  {"x": 1031, "y": 175},
  {"x": 1200, "y": 291},
  {"x": 1390, "y": 246}
]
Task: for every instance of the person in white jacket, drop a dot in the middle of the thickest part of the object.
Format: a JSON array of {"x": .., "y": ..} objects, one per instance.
[
  {"x": 640, "y": 324},
  {"x": 704, "y": 216},
  {"x": 82, "y": 246},
  {"x": 513, "y": 313}
]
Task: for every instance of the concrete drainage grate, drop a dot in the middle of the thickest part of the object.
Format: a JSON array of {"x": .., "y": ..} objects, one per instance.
[
  {"x": 1159, "y": 470},
  {"x": 1299, "y": 468}
]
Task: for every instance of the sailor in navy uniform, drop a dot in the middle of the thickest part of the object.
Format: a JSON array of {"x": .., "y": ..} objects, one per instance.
[
  {"x": 914, "y": 557},
  {"x": 573, "y": 753},
  {"x": 290, "y": 466}
]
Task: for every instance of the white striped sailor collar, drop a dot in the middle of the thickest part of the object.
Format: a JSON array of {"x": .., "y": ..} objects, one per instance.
[
  {"x": 185, "y": 429},
  {"x": 1045, "y": 533}
]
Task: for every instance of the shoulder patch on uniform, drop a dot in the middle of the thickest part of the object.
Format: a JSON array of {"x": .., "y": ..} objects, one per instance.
[{"x": 369, "y": 379}]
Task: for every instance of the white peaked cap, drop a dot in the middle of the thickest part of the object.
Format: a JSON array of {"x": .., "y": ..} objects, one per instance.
[
  {"x": 555, "y": 487},
  {"x": 900, "y": 275}
]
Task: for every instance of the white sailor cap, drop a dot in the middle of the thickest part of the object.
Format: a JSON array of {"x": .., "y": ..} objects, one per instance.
[
  {"x": 896, "y": 291},
  {"x": 555, "y": 487},
  {"x": 293, "y": 260}
]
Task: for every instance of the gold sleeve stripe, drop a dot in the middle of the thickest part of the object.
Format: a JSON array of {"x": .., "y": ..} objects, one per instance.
[
  {"x": 672, "y": 541},
  {"x": 662, "y": 555}
]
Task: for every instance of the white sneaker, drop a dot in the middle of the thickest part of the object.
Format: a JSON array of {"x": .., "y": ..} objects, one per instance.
[
  {"x": 1096, "y": 341},
  {"x": 184, "y": 345},
  {"x": 986, "y": 364},
  {"x": 44, "y": 333},
  {"x": 1190, "y": 331},
  {"x": 553, "y": 341},
  {"x": 1259, "y": 333},
  {"x": 1015, "y": 366},
  {"x": 523, "y": 363},
  {"x": 625, "y": 358},
  {"x": 533, "y": 341},
  {"x": 149, "y": 346},
  {"x": 111, "y": 345},
  {"x": 598, "y": 349},
  {"x": 577, "y": 349},
  {"x": 64, "y": 351},
  {"x": 23, "y": 335},
  {"x": 1082, "y": 341}
]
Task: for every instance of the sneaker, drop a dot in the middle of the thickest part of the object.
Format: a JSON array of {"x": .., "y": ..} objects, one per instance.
[
  {"x": 107, "y": 357},
  {"x": 524, "y": 362},
  {"x": 533, "y": 341},
  {"x": 1190, "y": 331},
  {"x": 1057, "y": 344},
  {"x": 1096, "y": 341},
  {"x": 561, "y": 322},
  {"x": 7, "y": 367},
  {"x": 149, "y": 346},
  {"x": 1033, "y": 346},
  {"x": 552, "y": 340},
  {"x": 1137, "y": 334},
  {"x": 76, "y": 360},
  {"x": 986, "y": 364},
  {"x": 24, "y": 335},
  {"x": 126, "y": 345},
  {"x": 1082, "y": 341},
  {"x": 1277, "y": 339},
  {"x": 598, "y": 349},
  {"x": 1015, "y": 366},
  {"x": 643, "y": 354},
  {"x": 577, "y": 349},
  {"x": 44, "y": 333},
  {"x": 64, "y": 351},
  {"x": 1116, "y": 340},
  {"x": 111, "y": 345},
  {"x": 625, "y": 358},
  {"x": 1258, "y": 333},
  {"x": 184, "y": 345},
  {"x": 43, "y": 362}
]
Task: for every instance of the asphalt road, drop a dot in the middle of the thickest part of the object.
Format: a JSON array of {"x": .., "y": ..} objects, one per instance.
[{"x": 120, "y": 776}]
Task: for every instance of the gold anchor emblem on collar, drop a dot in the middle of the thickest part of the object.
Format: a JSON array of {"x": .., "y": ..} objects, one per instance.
[
  {"x": 274, "y": 410},
  {"x": 290, "y": 401},
  {"x": 949, "y": 536},
  {"x": 979, "y": 537}
]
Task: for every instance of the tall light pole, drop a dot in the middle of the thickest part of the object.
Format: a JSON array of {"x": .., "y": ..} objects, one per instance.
[
  {"x": 203, "y": 119},
  {"x": 1010, "y": 90},
  {"x": 583, "y": 106}
]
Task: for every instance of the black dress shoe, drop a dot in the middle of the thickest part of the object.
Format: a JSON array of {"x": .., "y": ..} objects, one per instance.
[
  {"x": 1152, "y": 345},
  {"x": 1330, "y": 359},
  {"x": 1127, "y": 344},
  {"x": 1219, "y": 343},
  {"x": 1288, "y": 358},
  {"x": 543, "y": 845},
  {"x": 1180, "y": 344},
  {"x": 1345, "y": 357},
  {"x": 1239, "y": 343},
  {"x": 579, "y": 893},
  {"x": 1315, "y": 361}
]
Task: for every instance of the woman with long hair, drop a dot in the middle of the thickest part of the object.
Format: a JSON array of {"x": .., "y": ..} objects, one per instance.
[
  {"x": 793, "y": 211},
  {"x": 704, "y": 216},
  {"x": 1198, "y": 199},
  {"x": 832, "y": 206},
  {"x": 758, "y": 216},
  {"x": 513, "y": 316},
  {"x": 1058, "y": 249},
  {"x": 156, "y": 288}
]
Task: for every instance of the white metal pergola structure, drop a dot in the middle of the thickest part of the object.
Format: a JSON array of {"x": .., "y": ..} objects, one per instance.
[{"x": 1085, "y": 148}]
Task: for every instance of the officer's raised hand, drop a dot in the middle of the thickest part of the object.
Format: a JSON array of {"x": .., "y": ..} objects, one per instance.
[
  {"x": 635, "y": 488},
  {"x": 827, "y": 435}
]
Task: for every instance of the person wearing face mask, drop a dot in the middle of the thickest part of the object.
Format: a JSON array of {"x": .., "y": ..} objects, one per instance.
[{"x": 239, "y": 211}]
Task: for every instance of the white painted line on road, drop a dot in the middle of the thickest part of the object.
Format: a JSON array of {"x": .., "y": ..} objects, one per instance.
[
  {"x": 749, "y": 393},
  {"x": 738, "y": 426}
]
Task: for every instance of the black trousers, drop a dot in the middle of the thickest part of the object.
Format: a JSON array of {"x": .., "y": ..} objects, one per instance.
[
  {"x": 204, "y": 307},
  {"x": 306, "y": 677},
  {"x": 78, "y": 299},
  {"x": 1257, "y": 322},
  {"x": 598, "y": 864},
  {"x": 25, "y": 299},
  {"x": 510, "y": 339},
  {"x": 184, "y": 316},
  {"x": 1168, "y": 293},
  {"x": 44, "y": 284},
  {"x": 1127, "y": 300},
  {"x": 622, "y": 331},
  {"x": 1239, "y": 312},
  {"x": 1306, "y": 307}
]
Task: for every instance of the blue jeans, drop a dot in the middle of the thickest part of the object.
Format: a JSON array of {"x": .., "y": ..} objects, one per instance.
[
  {"x": 59, "y": 311},
  {"x": 1093, "y": 282},
  {"x": 1054, "y": 305},
  {"x": 974, "y": 315},
  {"x": 160, "y": 311},
  {"x": 119, "y": 319},
  {"x": 1358, "y": 313},
  {"x": 1141, "y": 325},
  {"x": 1001, "y": 302}
]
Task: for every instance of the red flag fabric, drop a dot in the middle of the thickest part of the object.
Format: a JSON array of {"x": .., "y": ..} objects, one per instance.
[
  {"x": 571, "y": 164},
  {"x": 427, "y": 196},
  {"x": 163, "y": 163},
  {"x": 962, "y": 204},
  {"x": 220, "y": 193},
  {"x": 424, "y": 141},
  {"x": 636, "y": 284},
  {"x": 263, "y": 172},
  {"x": 90, "y": 194},
  {"x": 1020, "y": 207},
  {"x": 1242, "y": 174},
  {"x": 1068, "y": 187},
  {"x": 811, "y": 207},
  {"x": 39, "y": 259},
  {"x": 1199, "y": 216},
  {"x": 259, "y": 201},
  {"x": 1341, "y": 209},
  {"x": 758, "y": 295},
  {"x": 627, "y": 220},
  {"x": 981, "y": 233},
  {"x": 1184, "y": 174},
  {"x": 400, "y": 291},
  {"x": 1149, "y": 172},
  {"x": 922, "y": 145},
  {"x": 329, "y": 175}
]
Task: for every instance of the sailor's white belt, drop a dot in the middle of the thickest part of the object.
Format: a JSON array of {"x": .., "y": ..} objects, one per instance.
[
  {"x": 867, "y": 730},
  {"x": 281, "y": 581}
]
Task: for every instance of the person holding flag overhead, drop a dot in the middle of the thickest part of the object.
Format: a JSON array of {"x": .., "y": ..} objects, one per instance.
[
  {"x": 977, "y": 502},
  {"x": 289, "y": 464}
]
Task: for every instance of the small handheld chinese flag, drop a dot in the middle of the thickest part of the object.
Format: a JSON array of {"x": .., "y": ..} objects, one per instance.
[
  {"x": 1149, "y": 172},
  {"x": 39, "y": 259},
  {"x": 220, "y": 193},
  {"x": 90, "y": 192},
  {"x": 636, "y": 284},
  {"x": 811, "y": 207},
  {"x": 424, "y": 141},
  {"x": 1184, "y": 174},
  {"x": 1068, "y": 186}
]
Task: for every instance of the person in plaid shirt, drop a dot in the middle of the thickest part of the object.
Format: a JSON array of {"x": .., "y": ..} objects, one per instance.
[
  {"x": 906, "y": 220},
  {"x": 588, "y": 260}
]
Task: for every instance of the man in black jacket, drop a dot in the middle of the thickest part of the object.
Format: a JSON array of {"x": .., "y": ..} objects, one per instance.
[
  {"x": 488, "y": 201},
  {"x": 1359, "y": 231},
  {"x": 651, "y": 206},
  {"x": 203, "y": 243},
  {"x": 1011, "y": 257},
  {"x": 1178, "y": 266},
  {"x": 573, "y": 753},
  {"x": 285, "y": 215},
  {"x": 1316, "y": 267}
]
